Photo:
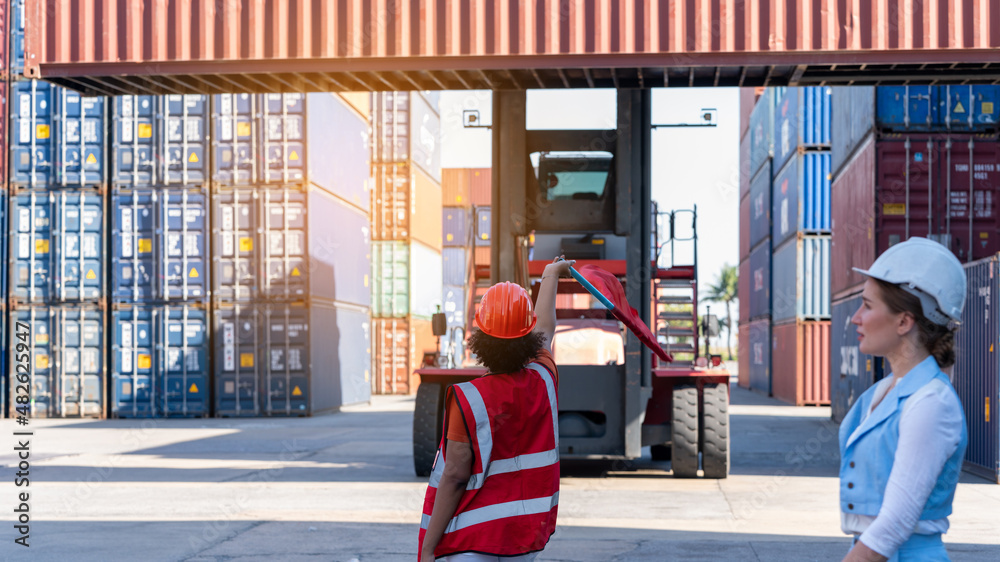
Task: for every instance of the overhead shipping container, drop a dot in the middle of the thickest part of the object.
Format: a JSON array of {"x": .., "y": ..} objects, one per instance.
[
  {"x": 407, "y": 205},
  {"x": 800, "y": 363},
  {"x": 455, "y": 266},
  {"x": 851, "y": 372},
  {"x": 159, "y": 141},
  {"x": 852, "y": 220},
  {"x": 57, "y": 137},
  {"x": 760, "y": 280},
  {"x": 159, "y": 360},
  {"x": 759, "y": 335},
  {"x": 938, "y": 108},
  {"x": 762, "y": 131},
  {"x": 743, "y": 290},
  {"x": 67, "y": 360},
  {"x": 801, "y": 122},
  {"x": 455, "y": 305},
  {"x": 457, "y": 226},
  {"x": 484, "y": 225},
  {"x": 976, "y": 372},
  {"x": 760, "y": 206},
  {"x": 399, "y": 348},
  {"x": 159, "y": 245},
  {"x": 853, "y": 119},
  {"x": 744, "y": 227},
  {"x": 407, "y": 128},
  {"x": 57, "y": 246},
  {"x": 290, "y": 359},
  {"x": 800, "y": 279},
  {"x": 743, "y": 356},
  {"x": 407, "y": 280},
  {"x": 744, "y": 163},
  {"x": 801, "y": 197}
]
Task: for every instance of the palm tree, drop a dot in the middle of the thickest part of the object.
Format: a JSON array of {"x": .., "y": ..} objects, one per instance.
[{"x": 724, "y": 291}]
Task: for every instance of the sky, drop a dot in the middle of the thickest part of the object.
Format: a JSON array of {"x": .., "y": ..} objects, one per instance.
[{"x": 691, "y": 166}]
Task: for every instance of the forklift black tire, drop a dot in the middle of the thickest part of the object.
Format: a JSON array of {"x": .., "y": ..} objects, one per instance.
[
  {"x": 427, "y": 423},
  {"x": 660, "y": 452},
  {"x": 684, "y": 432},
  {"x": 715, "y": 431}
]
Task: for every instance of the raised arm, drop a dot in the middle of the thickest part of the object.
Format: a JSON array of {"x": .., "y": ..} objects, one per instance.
[{"x": 545, "y": 307}]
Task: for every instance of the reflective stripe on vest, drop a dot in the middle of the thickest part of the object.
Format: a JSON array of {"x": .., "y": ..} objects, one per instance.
[{"x": 497, "y": 511}]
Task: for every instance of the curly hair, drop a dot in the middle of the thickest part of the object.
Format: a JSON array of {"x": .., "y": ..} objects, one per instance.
[
  {"x": 502, "y": 355},
  {"x": 938, "y": 340}
]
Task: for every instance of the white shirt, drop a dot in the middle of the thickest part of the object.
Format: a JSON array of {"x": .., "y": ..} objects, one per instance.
[{"x": 930, "y": 429}]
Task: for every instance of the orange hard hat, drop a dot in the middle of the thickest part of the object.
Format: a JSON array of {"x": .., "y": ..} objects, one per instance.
[{"x": 506, "y": 312}]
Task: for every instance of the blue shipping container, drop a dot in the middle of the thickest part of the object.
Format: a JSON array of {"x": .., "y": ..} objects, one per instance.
[
  {"x": 484, "y": 225},
  {"x": 16, "y": 22},
  {"x": 456, "y": 226},
  {"x": 455, "y": 305},
  {"x": 58, "y": 246},
  {"x": 760, "y": 280},
  {"x": 760, "y": 205},
  {"x": 159, "y": 361},
  {"x": 340, "y": 137},
  {"x": 800, "y": 279},
  {"x": 159, "y": 245},
  {"x": 67, "y": 360},
  {"x": 455, "y": 266},
  {"x": 57, "y": 137},
  {"x": 938, "y": 108},
  {"x": 801, "y": 197},
  {"x": 762, "y": 131},
  {"x": 406, "y": 128},
  {"x": 760, "y": 355},
  {"x": 853, "y": 110},
  {"x": 852, "y": 372},
  {"x": 340, "y": 250},
  {"x": 801, "y": 119},
  {"x": 977, "y": 373},
  {"x": 159, "y": 140}
]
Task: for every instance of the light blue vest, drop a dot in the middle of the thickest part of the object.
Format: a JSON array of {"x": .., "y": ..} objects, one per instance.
[{"x": 866, "y": 459}]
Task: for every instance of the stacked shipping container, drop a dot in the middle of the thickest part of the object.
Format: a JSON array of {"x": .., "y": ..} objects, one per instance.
[
  {"x": 907, "y": 161},
  {"x": 748, "y": 98},
  {"x": 407, "y": 235}
]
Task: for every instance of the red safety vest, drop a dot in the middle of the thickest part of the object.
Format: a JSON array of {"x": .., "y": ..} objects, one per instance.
[{"x": 509, "y": 506}]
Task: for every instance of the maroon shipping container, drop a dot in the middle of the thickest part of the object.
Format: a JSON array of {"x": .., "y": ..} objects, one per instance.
[
  {"x": 941, "y": 187},
  {"x": 744, "y": 227},
  {"x": 743, "y": 290},
  {"x": 745, "y": 175},
  {"x": 800, "y": 363},
  {"x": 743, "y": 355},
  {"x": 852, "y": 218},
  {"x": 481, "y": 186},
  {"x": 748, "y": 97}
]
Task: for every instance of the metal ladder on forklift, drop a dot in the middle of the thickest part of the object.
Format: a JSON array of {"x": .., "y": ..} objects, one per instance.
[{"x": 675, "y": 289}]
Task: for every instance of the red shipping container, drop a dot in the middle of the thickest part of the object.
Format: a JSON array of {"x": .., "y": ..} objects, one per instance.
[
  {"x": 745, "y": 174},
  {"x": 743, "y": 355},
  {"x": 800, "y": 363},
  {"x": 743, "y": 290},
  {"x": 406, "y": 205},
  {"x": 399, "y": 347},
  {"x": 481, "y": 186},
  {"x": 852, "y": 216},
  {"x": 745, "y": 228}
]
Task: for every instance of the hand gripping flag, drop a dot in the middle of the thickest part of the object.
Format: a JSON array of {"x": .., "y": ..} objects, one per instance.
[{"x": 606, "y": 288}]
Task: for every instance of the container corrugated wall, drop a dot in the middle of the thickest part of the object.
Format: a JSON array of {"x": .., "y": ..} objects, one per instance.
[
  {"x": 743, "y": 356},
  {"x": 455, "y": 264},
  {"x": 938, "y": 108},
  {"x": 800, "y": 279},
  {"x": 852, "y": 218},
  {"x": 851, "y": 372},
  {"x": 407, "y": 205},
  {"x": 760, "y": 280},
  {"x": 745, "y": 175},
  {"x": 762, "y": 131},
  {"x": 484, "y": 225},
  {"x": 853, "y": 119},
  {"x": 801, "y": 197},
  {"x": 743, "y": 290},
  {"x": 760, "y": 355},
  {"x": 977, "y": 371},
  {"x": 760, "y": 206},
  {"x": 801, "y": 121},
  {"x": 744, "y": 227},
  {"x": 800, "y": 363},
  {"x": 160, "y": 141},
  {"x": 399, "y": 345},
  {"x": 406, "y": 127},
  {"x": 481, "y": 186},
  {"x": 455, "y": 304},
  {"x": 456, "y": 187},
  {"x": 407, "y": 280},
  {"x": 456, "y": 223}
]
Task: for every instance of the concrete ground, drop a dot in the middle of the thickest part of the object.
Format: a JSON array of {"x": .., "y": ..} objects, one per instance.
[{"x": 341, "y": 487}]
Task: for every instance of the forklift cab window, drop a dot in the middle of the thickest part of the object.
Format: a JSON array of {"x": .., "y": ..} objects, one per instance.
[{"x": 574, "y": 177}]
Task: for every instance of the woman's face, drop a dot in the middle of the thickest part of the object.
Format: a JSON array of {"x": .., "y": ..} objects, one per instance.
[{"x": 877, "y": 325}]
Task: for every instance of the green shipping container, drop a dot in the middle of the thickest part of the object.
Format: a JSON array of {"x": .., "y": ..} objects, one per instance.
[{"x": 407, "y": 280}]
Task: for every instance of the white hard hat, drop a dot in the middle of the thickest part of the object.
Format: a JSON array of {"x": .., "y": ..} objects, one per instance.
[{"x": 928, "y": 271}]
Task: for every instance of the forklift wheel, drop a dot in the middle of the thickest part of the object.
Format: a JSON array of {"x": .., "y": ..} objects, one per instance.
[
  {"x": 715, "y": 428},
  {"x": 427, "y": 422},
  {"x": 684, "y": 432}
]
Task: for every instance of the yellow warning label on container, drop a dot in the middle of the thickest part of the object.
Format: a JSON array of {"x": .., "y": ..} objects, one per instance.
[
  {"x": 41, "y": 361},
  {"x": 959, "y": 108},
  {"x": 597, "y": 241},
  {"x": 246, "y": 360},
  {"x": 893, "y": 209},
  {"x": 243, "y": 129},
  {"x": 145, "y": 130},
  {"x": 41, "y": 131},
  {"x": 194, "y": 388},
  {"x": 145, "y": 245},
  {"x": 294, "y": 156},
  {"x": 193, "y": 158},
  {"x": 458, "y": 198},
  {"x": 450, "y": 237},
  {"x": 984, "y": 234},
  {"x": 193, "y": 274},
  {"x": 41, "y": 246},
  {"x": 987, "y": 107},
  {"x": 91, "y": 275},
  {"x": 145, "y": 361},
  {"x": 41, "y": 339},
  {"x": 298, "y": 392},
  {"x": 246, "y": 244},
  {"x": 91, "y": 159},
  {"x": 295, "y": 272}
]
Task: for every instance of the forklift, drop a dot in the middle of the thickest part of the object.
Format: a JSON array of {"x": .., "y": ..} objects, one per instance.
[{"x": 586, "y": 194}]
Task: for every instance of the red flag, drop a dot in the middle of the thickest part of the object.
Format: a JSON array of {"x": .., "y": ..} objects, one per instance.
[{"x": 611, "y": 288}]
